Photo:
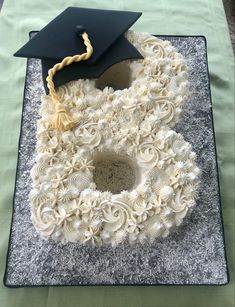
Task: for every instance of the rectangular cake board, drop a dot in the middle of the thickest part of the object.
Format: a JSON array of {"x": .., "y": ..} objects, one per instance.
[{"x": 194, "y": 254}]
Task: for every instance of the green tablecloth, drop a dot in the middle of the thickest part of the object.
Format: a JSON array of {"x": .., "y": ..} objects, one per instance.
[{"x": 192, "y": 17}]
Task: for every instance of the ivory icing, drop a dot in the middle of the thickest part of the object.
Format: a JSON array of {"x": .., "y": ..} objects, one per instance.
[{"x": 135, "y": 122}]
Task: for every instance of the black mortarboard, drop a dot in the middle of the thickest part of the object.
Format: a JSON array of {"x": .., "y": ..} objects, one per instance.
[{"x": 60, "y": 39}]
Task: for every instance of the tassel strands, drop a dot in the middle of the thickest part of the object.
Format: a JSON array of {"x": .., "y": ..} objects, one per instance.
[{"x": 62, "y": 119}]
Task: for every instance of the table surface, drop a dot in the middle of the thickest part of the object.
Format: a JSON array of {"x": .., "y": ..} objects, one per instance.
[{"x": 202, "y": 17}]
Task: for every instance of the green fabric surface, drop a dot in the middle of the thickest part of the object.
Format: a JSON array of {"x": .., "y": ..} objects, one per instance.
[{"x": 185, "y": 17}]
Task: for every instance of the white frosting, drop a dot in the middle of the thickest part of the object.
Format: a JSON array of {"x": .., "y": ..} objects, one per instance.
[{"x": 134, "y": 123}]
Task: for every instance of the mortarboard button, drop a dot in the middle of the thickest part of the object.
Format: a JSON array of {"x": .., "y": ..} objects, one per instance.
[{"x": 79, "y": 29}]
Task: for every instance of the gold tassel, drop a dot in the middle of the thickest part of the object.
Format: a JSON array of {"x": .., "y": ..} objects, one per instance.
[{"x": 62, "y": 120}]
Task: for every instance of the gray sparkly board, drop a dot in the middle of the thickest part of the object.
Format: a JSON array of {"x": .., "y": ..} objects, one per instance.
[{"x": 193, "y": 254}]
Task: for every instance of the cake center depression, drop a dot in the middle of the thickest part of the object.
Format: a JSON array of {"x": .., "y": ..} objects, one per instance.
[
  {"x": 114, "y": 173},
  {"x": 121, "y": 175}
]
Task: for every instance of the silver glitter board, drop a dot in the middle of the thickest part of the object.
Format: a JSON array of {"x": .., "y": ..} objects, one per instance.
[{"x": 193, "y": 254}]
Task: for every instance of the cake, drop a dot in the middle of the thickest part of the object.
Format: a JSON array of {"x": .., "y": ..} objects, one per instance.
[{"x": 122, "y": 174}]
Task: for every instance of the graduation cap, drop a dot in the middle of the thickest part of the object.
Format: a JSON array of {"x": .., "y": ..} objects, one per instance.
[
  {"x": 80, "y": 43},
  {"x": 62, "y": 38}
]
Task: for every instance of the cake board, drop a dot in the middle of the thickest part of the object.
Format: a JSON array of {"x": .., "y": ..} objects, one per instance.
[{"x": 193, "y": 254}]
